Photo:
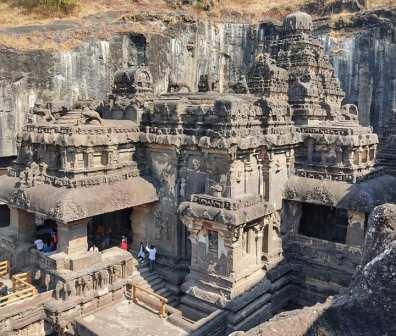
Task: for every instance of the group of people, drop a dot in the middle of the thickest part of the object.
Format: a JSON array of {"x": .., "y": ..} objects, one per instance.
[
  {"x": 47, "y": 243},
  {"x": 102, "y": 237},
  {"x": 50, "y": 242},
  {"x": 150, "y": 250},
  {"x": 152, "y": 255}
]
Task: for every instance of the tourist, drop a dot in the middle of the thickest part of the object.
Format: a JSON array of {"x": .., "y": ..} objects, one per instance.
[
  {"x": 124, "y": 244},
  {"x": 106, "y": 241},
  {"x": 3, "y": 289},
  {"x": 54, "y": 239},
  {"x": 141, "y": 254},
  {"x": 39, "y": 244},
  {"x": 93, "y": 248},
  {"x": 46, "y": 248},
  {"x": 152, "y": 255}
]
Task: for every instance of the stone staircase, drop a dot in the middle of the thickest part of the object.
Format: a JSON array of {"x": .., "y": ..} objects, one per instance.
[
  {"x": 184, "y": 311},
  {"x": 193, "y": 309},
  {"x": 154, "y": 282}
]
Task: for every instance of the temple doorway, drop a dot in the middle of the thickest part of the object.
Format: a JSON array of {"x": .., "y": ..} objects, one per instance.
[
  {"x": 107, "y": 230},
  {"x": 4, "y": 215}
]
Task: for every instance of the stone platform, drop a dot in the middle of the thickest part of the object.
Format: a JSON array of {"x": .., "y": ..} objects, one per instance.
[{"x": 125, "y": 319}]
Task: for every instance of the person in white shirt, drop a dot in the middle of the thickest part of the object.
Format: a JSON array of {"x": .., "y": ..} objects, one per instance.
[
  {"x": 152, "y": 255},
  {"x": 141, "y": 254},
  {"x": 39, "y": 244},
  {"x": 93, "y": 248}
]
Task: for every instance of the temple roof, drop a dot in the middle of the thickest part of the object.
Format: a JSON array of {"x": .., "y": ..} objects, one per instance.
[{"x": 70, "y": 204}]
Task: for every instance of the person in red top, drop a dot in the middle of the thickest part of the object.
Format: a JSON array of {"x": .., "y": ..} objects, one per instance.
[{"x": 124, "y": 244}]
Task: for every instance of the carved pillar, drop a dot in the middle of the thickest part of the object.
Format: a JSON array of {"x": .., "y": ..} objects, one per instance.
[
  {"x": 339, "y": 156},
  {"x": 355, "y": 230},
  {"x": 259, "y": 244},
  {"x": 139, "y": 220},
  {"x": 63, "y": 160},
  {"x": 358, "y": 154},
  {"x": 271, "y": 241},
  {"x": 290, "y": 161},
  {"x": 350, "y": 157},
  {"x": 72, "y": 237},
  {"x": 310, "y": 150},
  {"x": 323, "y": 156},
  {"x": 89, "y": 158},
  {"x": 23, "y": 224},
  {"x": 71, "y": 158}
]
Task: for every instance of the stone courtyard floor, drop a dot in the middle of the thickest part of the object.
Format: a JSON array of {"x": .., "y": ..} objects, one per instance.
[{"x": 127, "y": 319}]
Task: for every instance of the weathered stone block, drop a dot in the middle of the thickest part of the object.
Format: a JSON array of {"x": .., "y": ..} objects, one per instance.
[{"x": 81, "y": 261}]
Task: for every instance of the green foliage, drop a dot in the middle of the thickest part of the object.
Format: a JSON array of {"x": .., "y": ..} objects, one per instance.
[{"x": 52, "y": 6}]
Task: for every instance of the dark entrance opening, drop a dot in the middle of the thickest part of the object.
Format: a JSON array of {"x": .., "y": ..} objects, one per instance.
[
  {"x": 4, "y": 215},
  {"x": 323, "y": 222},
  {"x": 107, "y": 230}
]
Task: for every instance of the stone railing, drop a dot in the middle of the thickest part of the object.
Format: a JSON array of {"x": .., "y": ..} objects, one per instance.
[
  {"x": 111, "y": 273},
  {"x": 22, "y": 289},
  {"x": 41, "y": 260},
  {"x": 4, "y": 267}
]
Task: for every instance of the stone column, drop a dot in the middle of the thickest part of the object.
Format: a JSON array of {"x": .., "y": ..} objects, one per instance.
[
  {"x": 355, "y": 230},
  {"x": 359, "y": 153},
  {"x": 259, "y": 244},
  {"x": 310, "y": 150},
  {"x": 72, "y": 237},
  {"x": 339, "y": 156},
  {"x": 272, "y": 247},
  {"x": 23, "y": 224},
  {"x": 140, "y": 220},
  {"x": 350, "y": 158}
]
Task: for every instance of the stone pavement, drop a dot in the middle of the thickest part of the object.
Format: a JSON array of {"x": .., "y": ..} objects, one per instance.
[{"x": 126, "y": 319}]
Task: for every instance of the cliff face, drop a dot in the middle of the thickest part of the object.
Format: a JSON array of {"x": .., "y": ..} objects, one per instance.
[
  {"x": 58, "y": 77},
  {"x": 179, "y": 53},
  {"x": 364, "y": 63}
]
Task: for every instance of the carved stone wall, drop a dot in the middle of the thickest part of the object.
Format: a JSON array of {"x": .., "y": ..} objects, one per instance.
[{"x": 321, "y": 267}]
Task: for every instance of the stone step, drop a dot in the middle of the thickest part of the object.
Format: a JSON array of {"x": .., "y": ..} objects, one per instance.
[
  {"x": 173, "y": 302},
  {"x": 191, "y": 313},
  {"x": 143, "y": 269},
  {"x": 251, "y": 308},
  {"x": 199, "y": 305},
  {"x": 165, "y": 292},
  {"x": 157, "y": 286},
  {"x": 147, "y": 277}
]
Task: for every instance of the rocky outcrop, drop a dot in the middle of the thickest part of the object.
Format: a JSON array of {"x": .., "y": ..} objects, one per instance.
[{"x": 368, "y": 308}]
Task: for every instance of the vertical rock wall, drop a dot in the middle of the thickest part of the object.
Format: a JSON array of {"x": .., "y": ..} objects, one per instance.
[
  {"x": 364, "y": 63},
  {"x": 183, "y": 53},
  {"x": 186, "y": 52},
  {"x": 220, "y": 50}
]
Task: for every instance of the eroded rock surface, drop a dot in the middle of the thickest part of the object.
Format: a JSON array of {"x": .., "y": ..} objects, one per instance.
[{"x": 369, "y": 306}]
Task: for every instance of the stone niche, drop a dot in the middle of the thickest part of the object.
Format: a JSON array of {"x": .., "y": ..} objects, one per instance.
[{"x": 343, "y": 226}]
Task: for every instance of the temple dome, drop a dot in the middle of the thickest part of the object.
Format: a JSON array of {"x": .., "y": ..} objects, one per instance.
[{"x": 298, "y": 21}]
